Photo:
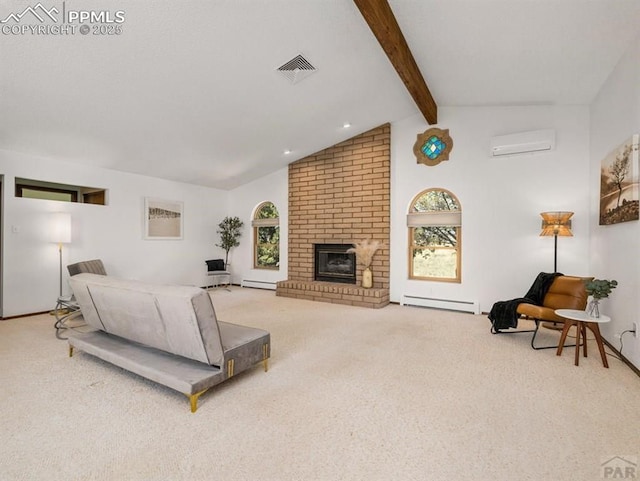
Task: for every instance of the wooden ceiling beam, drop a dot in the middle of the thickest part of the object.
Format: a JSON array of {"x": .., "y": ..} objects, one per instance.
[{"x": 383, "y": 24}]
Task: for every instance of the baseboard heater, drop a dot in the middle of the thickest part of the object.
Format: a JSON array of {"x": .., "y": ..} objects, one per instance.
[
  {"x": 449, "y": 304},
  {"x": 259, "y": 284}
]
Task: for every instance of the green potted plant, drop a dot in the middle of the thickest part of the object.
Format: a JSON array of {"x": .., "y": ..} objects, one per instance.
[
  {"x": 598, "y": 289},
  {"x": 230, "y": 230}
]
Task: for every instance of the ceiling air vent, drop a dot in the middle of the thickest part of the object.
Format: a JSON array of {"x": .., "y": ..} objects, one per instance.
[{"x": 296, "y": 69}]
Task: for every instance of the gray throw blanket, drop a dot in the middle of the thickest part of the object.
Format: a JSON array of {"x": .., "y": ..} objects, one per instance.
[{"x": 503, "y": 314}]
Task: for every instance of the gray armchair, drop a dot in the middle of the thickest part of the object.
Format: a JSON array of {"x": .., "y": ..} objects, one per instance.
[
  {"x": 94, "y": 266},
  {"x": 67, "y": 307}
]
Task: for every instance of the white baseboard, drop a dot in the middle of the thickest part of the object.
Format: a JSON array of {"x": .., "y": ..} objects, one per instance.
[
  {"x": 449, "y": 304},
  {"x": 259, "y": 284}
]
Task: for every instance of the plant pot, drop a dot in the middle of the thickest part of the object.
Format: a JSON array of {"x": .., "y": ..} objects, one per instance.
[{"x": 367, "y": 278}]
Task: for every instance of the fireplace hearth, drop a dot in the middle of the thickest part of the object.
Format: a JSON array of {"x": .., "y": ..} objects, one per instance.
[{"x": 332, "y": 263}]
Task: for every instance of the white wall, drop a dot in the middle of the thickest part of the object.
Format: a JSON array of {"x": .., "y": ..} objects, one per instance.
[
  {"x": 501, "y": 199},
  {"x": 242, "y": 203},
  {"x": 615, "y": 116},
  {"x": 112, "y": 233}
]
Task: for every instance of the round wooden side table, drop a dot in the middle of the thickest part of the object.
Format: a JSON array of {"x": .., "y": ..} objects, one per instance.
[{"x": 582, "y": 320}]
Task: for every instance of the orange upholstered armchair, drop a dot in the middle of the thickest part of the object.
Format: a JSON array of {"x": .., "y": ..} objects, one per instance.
[{"x": 565, "y": 292}]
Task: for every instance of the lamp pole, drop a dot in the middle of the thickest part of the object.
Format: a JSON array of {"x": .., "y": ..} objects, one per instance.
[
  {"x": 60, "y": 259},
  {"x": 555, "y": 253},
  {"x": 61, "y": 233}
]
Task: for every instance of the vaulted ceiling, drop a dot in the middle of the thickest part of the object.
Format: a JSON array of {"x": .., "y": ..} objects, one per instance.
[{"x": 189, "y": 91}]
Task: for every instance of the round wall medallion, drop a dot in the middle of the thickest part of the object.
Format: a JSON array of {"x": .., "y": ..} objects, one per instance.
[{"x": 433, "y": 146}]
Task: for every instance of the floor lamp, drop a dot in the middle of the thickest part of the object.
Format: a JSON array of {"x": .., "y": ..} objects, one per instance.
[
  {"x": 61, "y": 234},
  {"x": 556, "y": 224}
]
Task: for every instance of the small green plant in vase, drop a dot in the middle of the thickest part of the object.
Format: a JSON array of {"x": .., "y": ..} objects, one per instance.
[{"x": 598, "y": 289}]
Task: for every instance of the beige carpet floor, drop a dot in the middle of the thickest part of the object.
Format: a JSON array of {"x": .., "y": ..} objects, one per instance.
[{"x": 399, "y": 393}]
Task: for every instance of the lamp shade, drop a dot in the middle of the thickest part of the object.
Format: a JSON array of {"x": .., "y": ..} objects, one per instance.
[
  {"x": 556, "y": 224},
  {"x": 61, "y": 228}
]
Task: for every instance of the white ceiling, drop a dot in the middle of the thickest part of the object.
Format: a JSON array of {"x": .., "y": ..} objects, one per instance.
[{"x": 189, "y": 91}]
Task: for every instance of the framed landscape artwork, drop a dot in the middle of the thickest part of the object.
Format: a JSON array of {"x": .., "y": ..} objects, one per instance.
[
  {"x": 619, "y": 199},
  {"x": 162, "y": 219}
]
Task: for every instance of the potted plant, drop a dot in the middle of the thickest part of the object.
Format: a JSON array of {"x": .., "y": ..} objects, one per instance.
[
  {"x": 364, "y": 252},
  {"x": 230, "y": 230},
  {"x": 598, "y": 289}
]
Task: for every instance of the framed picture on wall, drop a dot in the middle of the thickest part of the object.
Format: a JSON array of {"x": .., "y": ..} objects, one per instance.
[
  {"x": 163, "y": 219},
  {"x": 619, "y": 199}
]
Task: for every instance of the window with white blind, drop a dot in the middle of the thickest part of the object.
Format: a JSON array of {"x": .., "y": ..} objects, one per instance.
[
  {"x": 435, "y": 227},
  {"x": 266, "y": 237}
]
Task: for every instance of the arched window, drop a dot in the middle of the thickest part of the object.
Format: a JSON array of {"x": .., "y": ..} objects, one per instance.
[
  {"x": 434, "y": 222},
  {"x": 266, "y": 237}
]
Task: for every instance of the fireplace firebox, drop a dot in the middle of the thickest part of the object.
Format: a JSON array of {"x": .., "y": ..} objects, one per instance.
[{"x": 334, "y": 264}]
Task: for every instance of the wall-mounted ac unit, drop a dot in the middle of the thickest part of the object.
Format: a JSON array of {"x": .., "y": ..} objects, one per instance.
[{"x": 523, "y": 143}]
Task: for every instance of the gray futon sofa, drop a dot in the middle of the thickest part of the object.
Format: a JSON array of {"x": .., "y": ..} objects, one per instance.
[{"x": 168, "y": 334}]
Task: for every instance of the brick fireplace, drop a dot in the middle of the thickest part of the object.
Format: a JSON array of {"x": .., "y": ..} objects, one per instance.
[{"x": 339, "y": 196}]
